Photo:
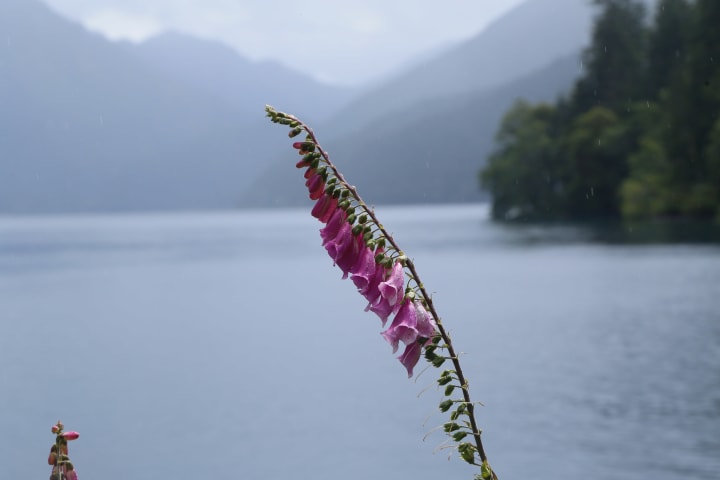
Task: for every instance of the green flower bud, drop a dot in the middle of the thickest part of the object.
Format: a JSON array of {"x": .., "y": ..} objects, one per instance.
[
  {"x": 468, "y": 453},
  {"x": 356, "y": 230},
  {"x": 346, "y": 193},
  {"x": 457, "y": 436},
  {"x": 363, "y": 218},
  {"x": 437, "y": 361},
  {"x": 351, "y": 219},
  {"x": 367, "y": 236},
  {"x": 445, "y": 405},
  {"x": 449, "y": 389},
  {"x": 451, "y": 427},
  {"x": 444, "y": 380},
  {"x": 294, "y": 132},
  {"x": 486, "y": 472}
]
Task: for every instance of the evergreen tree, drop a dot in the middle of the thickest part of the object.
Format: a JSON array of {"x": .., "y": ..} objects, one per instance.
[
  {"x": 668, "y": 44},
  {"x": 639, "y": 135},
  {"x": 614, "y": 64}
]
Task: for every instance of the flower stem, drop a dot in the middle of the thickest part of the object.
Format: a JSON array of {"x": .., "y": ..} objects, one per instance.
[
  {"x": 298, "y": 125},
  {"x": 428, "y": 299}
]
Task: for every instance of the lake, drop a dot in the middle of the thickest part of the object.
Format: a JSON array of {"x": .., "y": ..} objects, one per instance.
[{"x": 225, "y": 345}]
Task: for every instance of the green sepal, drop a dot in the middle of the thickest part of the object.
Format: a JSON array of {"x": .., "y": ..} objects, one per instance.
[
  {"x": 445, "y": 405},
  {"x": 362, "y": 219},
  {"x": 444, "y": 380},
  {"x": 451, "y": 427},
  {"x": 457, "y": 436},
  {"x": 437, "y": 361},
  {"x": 467, "y": 452},
  {"x": 351, "y": 219},
  {"x": 449, "y": 389},
  {"x": 356, "y": 230},
  {"x": 486, "y": 472}
]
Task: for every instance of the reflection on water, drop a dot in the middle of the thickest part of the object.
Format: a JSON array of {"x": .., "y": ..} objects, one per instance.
[{"x": 229, "y": 335}]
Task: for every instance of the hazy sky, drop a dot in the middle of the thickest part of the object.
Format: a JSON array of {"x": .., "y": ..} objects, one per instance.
[{"x": 347, "y": 42}]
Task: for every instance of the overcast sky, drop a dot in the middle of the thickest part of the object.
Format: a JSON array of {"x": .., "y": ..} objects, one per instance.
[{"x": 344, "y": 42}]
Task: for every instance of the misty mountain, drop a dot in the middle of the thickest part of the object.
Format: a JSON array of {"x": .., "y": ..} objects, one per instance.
[
  {"x": 525, "y": 39},
  {"x": 422, "y": 136},
  {"x": 429, "y": 153},
  {"x": 88, "y": 125},
  {"x": 218, "y": 70}
]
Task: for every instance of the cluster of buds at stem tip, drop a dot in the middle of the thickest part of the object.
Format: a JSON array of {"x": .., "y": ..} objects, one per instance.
[{"x": 360, "y": 246}]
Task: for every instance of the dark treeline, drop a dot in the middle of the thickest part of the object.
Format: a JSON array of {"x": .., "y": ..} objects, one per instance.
[{"x": 639, "y": 134}]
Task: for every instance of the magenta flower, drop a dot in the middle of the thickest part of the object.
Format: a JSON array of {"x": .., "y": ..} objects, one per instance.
[
  {"x": 411, "y": 323},
  {"x": 315, "y": 184},
  {"x": 324, "y": 208},
  {"x": 350, "y": 250},
  {"x": 343, "y": 247},
  {"x": 391, "y": 294},
  {"x": 411, "y": 356},
  {"x": 334, "y": 223}
]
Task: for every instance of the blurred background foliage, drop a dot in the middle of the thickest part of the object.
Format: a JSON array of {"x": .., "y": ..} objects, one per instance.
[{"x": 637, "y": 137}]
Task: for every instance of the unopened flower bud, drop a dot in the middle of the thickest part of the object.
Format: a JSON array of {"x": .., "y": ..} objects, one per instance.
[
  {"x": 445, "y": 405},
  {"x": 437, "y": 361}
]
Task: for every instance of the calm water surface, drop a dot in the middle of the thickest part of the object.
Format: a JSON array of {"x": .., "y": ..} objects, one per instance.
[{"x": 226, "y": 346}]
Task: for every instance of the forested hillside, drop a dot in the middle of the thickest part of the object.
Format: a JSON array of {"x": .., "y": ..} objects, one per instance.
[{"x": 638, "y": 136}]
